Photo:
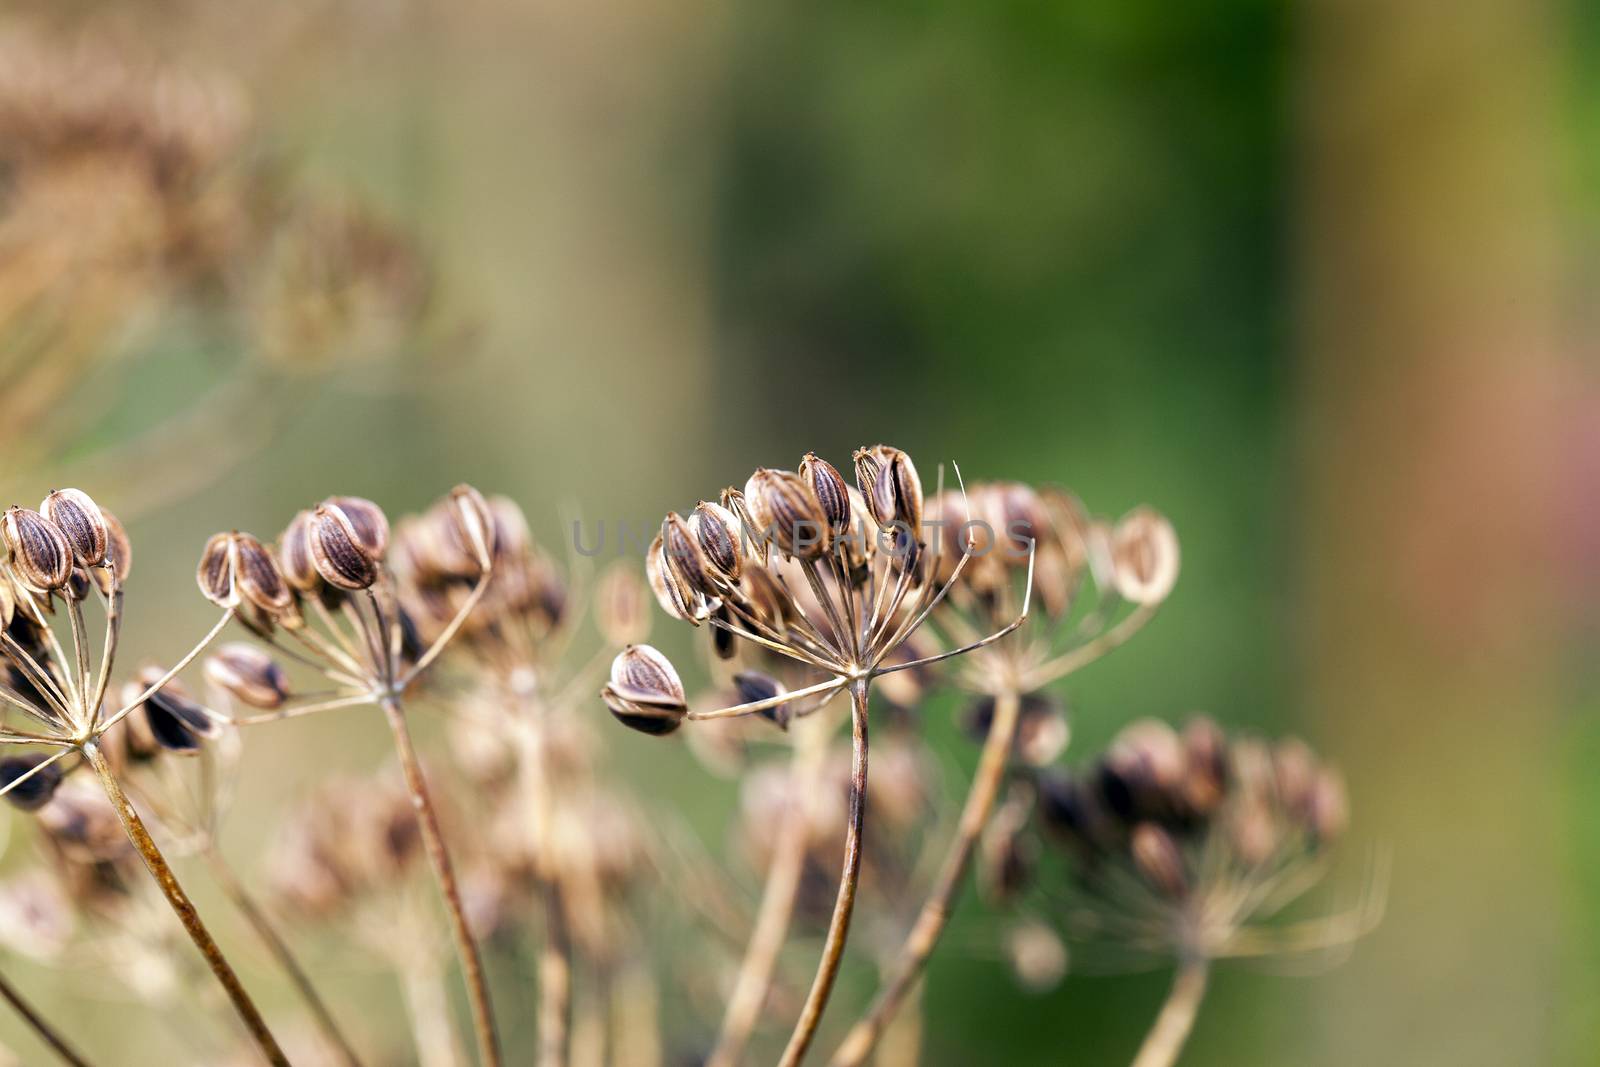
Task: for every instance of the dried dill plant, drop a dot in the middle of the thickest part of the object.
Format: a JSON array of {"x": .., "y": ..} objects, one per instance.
[
  {"x": 566, "y": 850},
  {"x": 59, "y": 558},
  {"x": 335, "y": 606},
  {"x": 135, "y": 197},
  {"x": 1187, "y": 847},
  {"x": 834, "y": 578},
  {"x": 1096, "y": 583}
]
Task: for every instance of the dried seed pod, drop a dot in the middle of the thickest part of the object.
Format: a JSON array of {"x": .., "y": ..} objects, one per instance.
[
  {"x": 1038, "y": 956},
  {"x": 1330, "y": 808},
  {"x": 645, "y": 692},
  {"x": 295, "y": 560},
  {"x": 675, "y": 598},
  {"x": 475, "y": 523},
  {"x": 1158, "y": 859},
  {"x": 367, "y": 521},
  {"x": 215, "y": 574},
  {"x": 257, "y": 577},
  {"x": 1144, "y": 551},
  {"x": 8, "y": 601},
  {"x": 41, "y": 555},
  {"x": 828, "y": 485},
  {"x": 249, "y": 675},
  {"x": 787, "y": 513},
  {"x": 81, "y": 520},
  {"x": 619, "y": 605},
  {"x": 889, "y": 482},
  {"x": 119, "y": 555},
  {"x": 753, "y": 686},
  {"x": 340, "y": 551},
  {"x": 751, "y": 543},
  {"x": 178, "y": 724},
  {"x": 1205, "y": 749},
  {"x": 684, "y": 557},
  {"x": 36, "y": 792},
  {"x": 720, "y": 536}
]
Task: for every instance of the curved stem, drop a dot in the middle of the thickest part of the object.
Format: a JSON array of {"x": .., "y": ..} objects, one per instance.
[
  {"x": 444, "y": 874},
  {"x": 235, "y": 891},
  {"x": 1171, "y": 1029},
  {"x": 771, "y": 928},
  {"x": 140, "y": 837},
  {"x": 805, "y": 1029},
  {"x": 555, "y": 980},
  {"x": 40, "y": 1027},
  {"x": 902, "y": 974}
]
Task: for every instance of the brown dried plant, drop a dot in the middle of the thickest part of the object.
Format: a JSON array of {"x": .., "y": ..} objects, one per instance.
[{"x": 134, "y": 196}]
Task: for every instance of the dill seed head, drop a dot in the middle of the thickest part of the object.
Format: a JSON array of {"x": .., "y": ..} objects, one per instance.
[
  {"x": 295, "y": 560},
  {"x": 889, "y": 483},
  {"x": 721, "y": 540},
  {"x": 40, "y": 553},
  {"x": 786, "y": 510},
  {"x": 475, "y": 523},
  {"x": 81, "y": 520},
  {"x": 215, "y": 574},
  {"x": 341, "y": 550},
  {"x": 176, "y": 722},
  {"x": 248, "y": 674},
  {"x": 1223, "y": 834},
  {"x": 1144, "y": 550},
  {"x": 753, "y": 686},
  {"x": 645, "y": 692},
  {"x": 36, "y": 792},
  {"x": 684, "y": 558},
  {"x": 257, "y": 577},
  {"x": 368, "y": 523},
  {"x": 674, "y": 595},
  {"x": 828, "y": 485}
]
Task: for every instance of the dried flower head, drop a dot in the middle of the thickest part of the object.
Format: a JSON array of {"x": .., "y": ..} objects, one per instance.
[{"x": 1185, "y": 845}]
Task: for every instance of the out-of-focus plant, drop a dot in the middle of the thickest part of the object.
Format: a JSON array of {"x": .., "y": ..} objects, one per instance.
[{"x": 134, "y": 196}]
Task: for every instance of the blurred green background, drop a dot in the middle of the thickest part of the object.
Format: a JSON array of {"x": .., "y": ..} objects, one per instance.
[{"x": 1313, "y": 279}]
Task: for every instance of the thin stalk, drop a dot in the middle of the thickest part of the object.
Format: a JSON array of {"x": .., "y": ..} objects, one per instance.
[
  {"x": 40, "y": 1027},
  {"x": 1171, "y": 1029},
  {"x": 444, "y": 874},
  {"x": 555, "y": 981},
  {"x": 429, "y": 1011},
  {"x": 805, "y": 1030},
  {"x": 635, "y": 1022},
  {"x": 140, "y": 837},
  {"x": 241, "y": 899},
  {"x": 903, "y": 973},
  {"x": 771, "y": 929}
]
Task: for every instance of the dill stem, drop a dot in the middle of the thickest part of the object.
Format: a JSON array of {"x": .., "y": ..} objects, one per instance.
[
  {"x": 184, "y": 908},
  {"x": 805, "y": 1030},
  {"x": 1172, "y": 1026},
  {"x": 471, "y": 960},
  {"x": 908, "y": 965},
  {"x": 38, "y": 1024},
  {"x": 235, "y": 891}
]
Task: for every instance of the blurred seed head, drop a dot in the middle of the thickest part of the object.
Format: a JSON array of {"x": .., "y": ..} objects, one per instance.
[
  {"x": 36, "y": 792},
  {"x": 620, "y": 605},
  {"x": 1145, "y": 553},
  {"x": 176, "y": 721},
  {"x": 249, "y": 675}
]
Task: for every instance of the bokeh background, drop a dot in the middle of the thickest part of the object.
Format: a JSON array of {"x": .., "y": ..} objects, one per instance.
[{"x": 1315, "y": 279}]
